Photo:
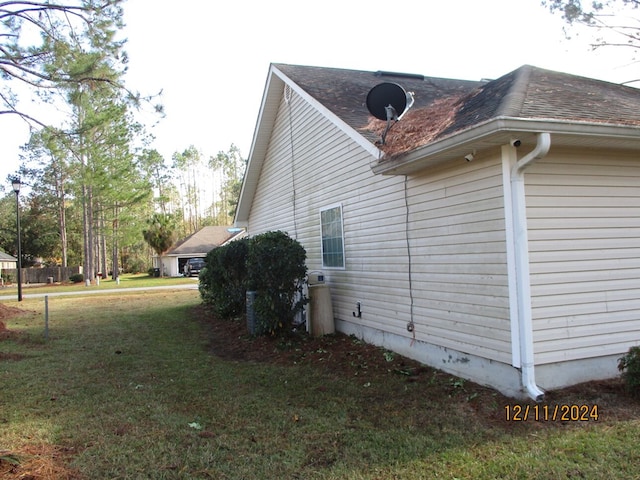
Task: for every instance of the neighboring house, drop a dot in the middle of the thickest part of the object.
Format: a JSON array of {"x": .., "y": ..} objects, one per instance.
[
  {"x": 7, "y": 261},
  {"x": 495, "y": 235},
  {"x": 194, "y": 246}
]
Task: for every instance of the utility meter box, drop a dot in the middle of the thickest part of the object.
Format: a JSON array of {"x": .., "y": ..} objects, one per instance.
[
  {"x": 315, "y": 278},
  {"x": 320, "y": 310}
]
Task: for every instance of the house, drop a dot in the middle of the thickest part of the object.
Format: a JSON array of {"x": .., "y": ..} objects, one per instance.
[
  {"x": 196, "y": 245},
  {"x": 494, "y": 235},
  {"x": 6, "y": 262}
]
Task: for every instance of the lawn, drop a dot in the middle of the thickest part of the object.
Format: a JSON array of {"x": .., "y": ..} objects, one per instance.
[
  {"x": 126, "y": 281},
  {"x": 148, "y": 385}
]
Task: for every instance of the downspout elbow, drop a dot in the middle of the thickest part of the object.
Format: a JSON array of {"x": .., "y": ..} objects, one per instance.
[
  {"x": 541, "y": 149},
  {"x": 533, "y": 391}
]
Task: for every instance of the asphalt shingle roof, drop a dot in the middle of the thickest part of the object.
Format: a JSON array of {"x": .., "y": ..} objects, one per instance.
[
  {"x": 202, "y": 242},
  {"x": 538, "y": 93},
  {"x": 444, "y": 107},
  {"x": 344, "y": 92}
]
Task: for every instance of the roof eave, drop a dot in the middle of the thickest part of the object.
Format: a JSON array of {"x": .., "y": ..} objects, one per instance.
[{"x": 496, "y": 132}]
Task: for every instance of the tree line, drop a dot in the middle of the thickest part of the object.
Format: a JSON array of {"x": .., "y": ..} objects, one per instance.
[
  {"x": 104, "y": 207},
  {"x": 93, "y": 184}
]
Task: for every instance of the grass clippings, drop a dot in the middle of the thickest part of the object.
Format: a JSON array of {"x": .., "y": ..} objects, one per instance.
[{"x": 38, "y": 462}]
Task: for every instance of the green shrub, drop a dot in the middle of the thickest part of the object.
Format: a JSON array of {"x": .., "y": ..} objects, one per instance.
[
  {"x": 629, "y": 365},
  {"x": 76, "y": 278},
  {"x": 223, "y": 280},
  {"x": 276, "y": 269},
  {"x": 271, "y": 264},
  {"x": 135, "y": 266}
]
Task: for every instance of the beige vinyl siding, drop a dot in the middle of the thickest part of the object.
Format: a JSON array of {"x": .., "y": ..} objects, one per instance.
[
  {"x": 272, "y": 207},
  {"x": 584, "y": 240},
  {"x": 459, "y": 261},
  {"x": 456, "y": 231},
  {"x": 331, "y": 169}
]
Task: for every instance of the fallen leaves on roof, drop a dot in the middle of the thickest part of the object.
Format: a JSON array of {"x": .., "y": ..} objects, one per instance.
[{"x": 417, "y": 127}]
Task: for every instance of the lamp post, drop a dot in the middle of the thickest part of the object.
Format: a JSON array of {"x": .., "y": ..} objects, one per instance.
[{"x": 15, "y": 183}]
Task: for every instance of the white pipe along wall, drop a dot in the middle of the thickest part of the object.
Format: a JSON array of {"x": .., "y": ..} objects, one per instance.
[{"x": 521, "y": 250}]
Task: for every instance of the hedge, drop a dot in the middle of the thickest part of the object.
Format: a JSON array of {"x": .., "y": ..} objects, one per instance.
[{"x": 271, "y": 264}]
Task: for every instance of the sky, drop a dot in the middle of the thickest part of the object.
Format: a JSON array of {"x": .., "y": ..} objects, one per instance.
[{"x": 211, "y": 58}]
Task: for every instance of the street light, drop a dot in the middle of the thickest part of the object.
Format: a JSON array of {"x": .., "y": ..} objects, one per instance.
[{"x": 15, "y": 183}]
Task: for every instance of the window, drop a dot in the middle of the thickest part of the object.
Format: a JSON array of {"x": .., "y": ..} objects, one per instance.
[{"x": 332, "y": 238}]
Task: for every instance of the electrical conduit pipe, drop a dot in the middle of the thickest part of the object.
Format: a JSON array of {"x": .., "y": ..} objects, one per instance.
[{"x": 525, "y": 323}]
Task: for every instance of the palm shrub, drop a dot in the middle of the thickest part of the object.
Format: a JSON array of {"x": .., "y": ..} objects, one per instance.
[
  {"x": 276, "y": 270},
  {"x": 223, "y": 281}
]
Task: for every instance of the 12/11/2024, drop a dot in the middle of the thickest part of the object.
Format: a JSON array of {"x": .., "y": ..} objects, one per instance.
[{"x": 551, "y": 413}]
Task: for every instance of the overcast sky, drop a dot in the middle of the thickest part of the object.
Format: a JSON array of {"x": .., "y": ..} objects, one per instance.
[{"x": 211, "y": 59}]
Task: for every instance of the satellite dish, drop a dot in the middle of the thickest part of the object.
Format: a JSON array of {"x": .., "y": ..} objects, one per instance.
[
  {"x": 388, "y": 101},
  {"x": 383, "y": 95}
]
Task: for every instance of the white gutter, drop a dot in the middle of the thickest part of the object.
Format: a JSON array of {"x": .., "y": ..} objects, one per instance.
[
  {"x": 488, "y": 132},
  {"x": 521, "y": 250}
]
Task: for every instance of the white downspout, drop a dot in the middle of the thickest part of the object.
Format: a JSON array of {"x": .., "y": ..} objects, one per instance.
[{"x": 521, "y": 250}]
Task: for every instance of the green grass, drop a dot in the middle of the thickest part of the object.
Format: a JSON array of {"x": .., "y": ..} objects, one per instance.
[
  {"x": 128, "y": 386},
  {"x": 126, "y": 281}
]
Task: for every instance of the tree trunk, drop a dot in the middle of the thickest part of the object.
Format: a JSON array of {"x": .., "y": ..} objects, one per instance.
[
  {"x": 88, "y": 233},
  {"x": 103, "y": 245},
  {"x": 62, "y": 223},
  {"x": 87, "y": 253},
  {"x": 114, "y": 254}
]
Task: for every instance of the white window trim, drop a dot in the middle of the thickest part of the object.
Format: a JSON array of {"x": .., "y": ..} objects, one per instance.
[{"x": 344, "y": 260}]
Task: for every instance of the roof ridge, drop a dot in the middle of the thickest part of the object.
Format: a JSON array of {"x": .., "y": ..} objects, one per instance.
[{"x": 512, "y": 103}]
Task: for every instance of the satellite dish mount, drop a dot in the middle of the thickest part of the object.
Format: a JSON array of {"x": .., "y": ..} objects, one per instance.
[{"x": 385, "y": 100}]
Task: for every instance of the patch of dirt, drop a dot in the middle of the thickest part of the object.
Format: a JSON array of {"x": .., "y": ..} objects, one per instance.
[
  {"x": 338, "y": 353},
  {"x": 38, "y": 462},
  {"x": 5, "y": 333},
  {"x": 7, "y": 312},
  {"x": 346, "y": 356},
  {"x": 11, "y": 356}
]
